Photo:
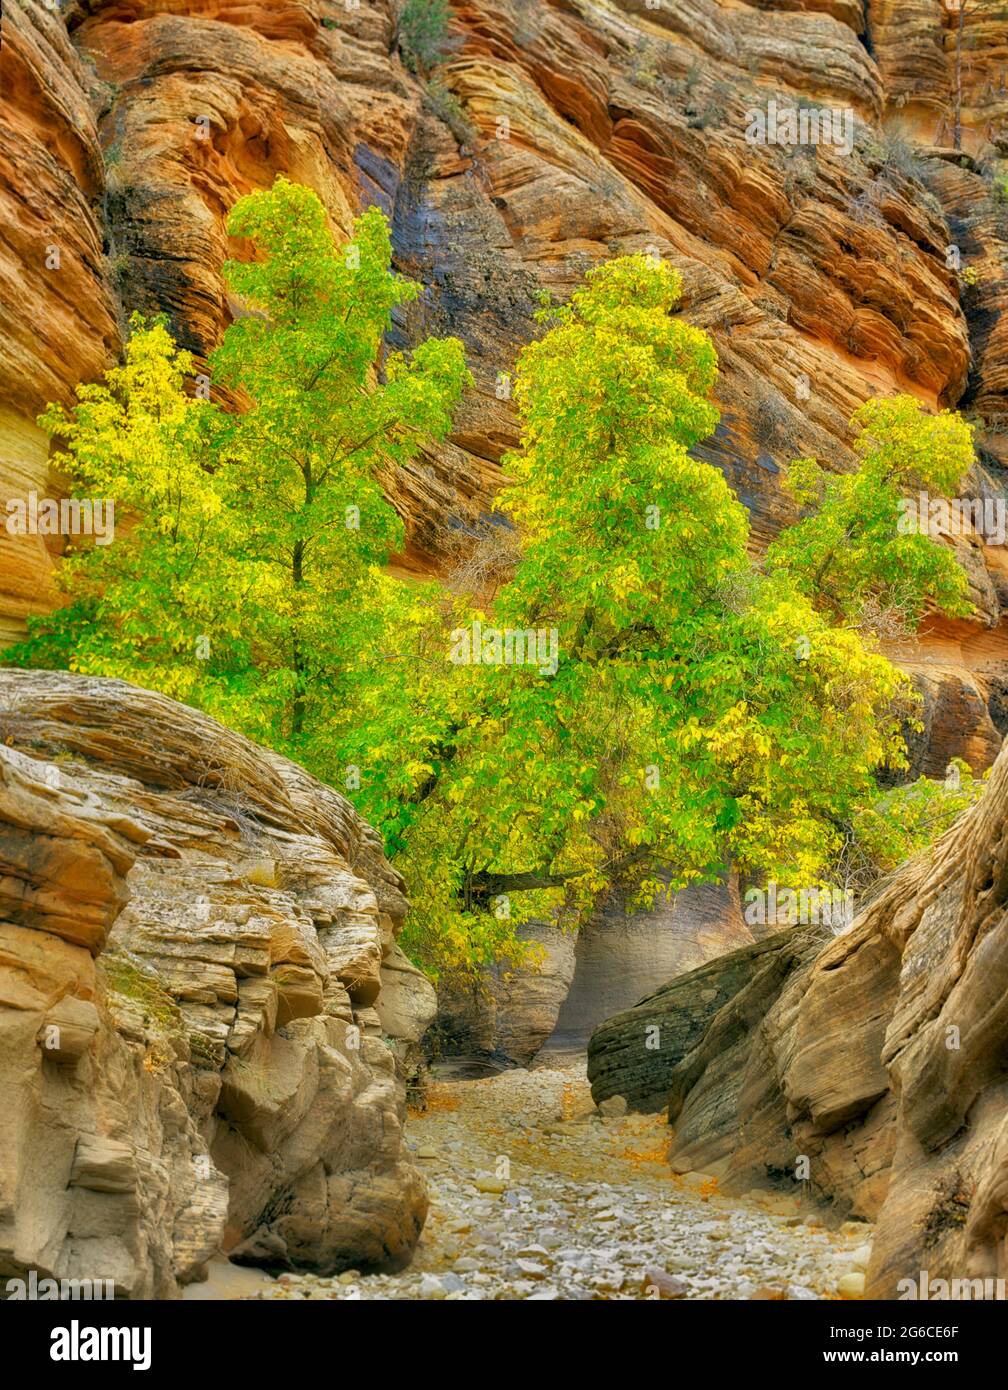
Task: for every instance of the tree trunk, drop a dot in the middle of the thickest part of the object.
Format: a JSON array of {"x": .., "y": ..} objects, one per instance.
[{"x": 298, "y": 707}]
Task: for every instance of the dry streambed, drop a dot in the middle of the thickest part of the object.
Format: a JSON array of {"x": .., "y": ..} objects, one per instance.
[{"x": 535, "y": 1195}]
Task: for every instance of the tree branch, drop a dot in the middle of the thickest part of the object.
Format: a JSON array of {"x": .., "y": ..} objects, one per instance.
[{"x": 481, "y": 886}]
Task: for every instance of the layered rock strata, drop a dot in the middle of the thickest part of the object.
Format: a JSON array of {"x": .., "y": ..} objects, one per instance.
[
  {"x": 560, "y": 135},
  {"x": 196, "y": 1054},
  {"x": 575, "y": 982},
  {"x": 866, "y": 1067}
]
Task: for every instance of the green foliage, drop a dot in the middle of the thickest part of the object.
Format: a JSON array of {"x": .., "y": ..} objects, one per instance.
[
  {"x": 318, "y": 431},
  {"x": 850, "y": 549},
  {"x": 423, "y": 33},
  {"x": 688, "y": 708},
  {"x": 202, "y": 1052},
  {"x": 904, "y": 820},
  {"x": 644, "y": 66},
  {"x": 138, "y": 604},
  {"x": 145, "y": 989},
  {"x": 259, "y": 536},
  {"x": 701, "y": 712},
  {"x": 444, "y": 104}
]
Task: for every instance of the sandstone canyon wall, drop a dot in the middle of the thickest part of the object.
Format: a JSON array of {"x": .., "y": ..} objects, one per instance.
[
  {"x": 878, "y": 1056},
  {"x": 202, "y": 1005},
  {"x": 130, "y": 127},
  {"x": 588, "y": 128},
  {"x": 580, "y": 980}
]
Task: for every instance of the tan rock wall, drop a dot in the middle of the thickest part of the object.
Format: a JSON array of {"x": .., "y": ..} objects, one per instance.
[
  {"x": 876, "y": 1057},
  {"x": 625, "y": 128},
  {"x": 193, "y": 933}
]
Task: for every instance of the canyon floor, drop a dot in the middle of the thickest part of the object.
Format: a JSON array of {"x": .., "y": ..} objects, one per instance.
[{"x": 535, "y": 1195}]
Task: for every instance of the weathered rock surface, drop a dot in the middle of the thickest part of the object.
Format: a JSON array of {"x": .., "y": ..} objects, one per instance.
[
  {"x": 822, "y": 277},
  {"x": 878, "y": 1058},
  {"x": 406, "y": 1006},
  {"x": 634, "y": 1053},
  {"x": 509, "y": 1013},
  {"x": 58, "y": 310},
  {"x": 620, "y": 956},
  {"x": 580, "y": 980},
  {"x": 194, "y": 935}
]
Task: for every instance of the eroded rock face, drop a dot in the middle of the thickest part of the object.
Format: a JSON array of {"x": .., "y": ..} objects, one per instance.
[
  {"x": 195, "y": 935},
  {"x": 508, "y": 1014},
  {"x": 621, "y": 956},
  {"x": 578, "y": 981},
  {"x": 634, "y": 1053},
  {"x": 822, "y": 277},
  {"x": 59, "y": 323},
  {"x": 878, "y": 1057}
]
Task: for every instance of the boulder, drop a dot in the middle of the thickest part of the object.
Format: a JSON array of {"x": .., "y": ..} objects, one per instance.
[
  {"x": 194, "y": 940},
  {"x": 406, "y": 1007},
  {"x": 508, "y": 1013},
  {"x": 634, "y": 1053},
  {"x": 867, "y": 1069}
]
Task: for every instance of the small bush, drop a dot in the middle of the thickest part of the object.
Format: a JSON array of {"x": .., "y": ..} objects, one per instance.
[
  {"x": 120, "y": 264},
  {"x": 895, "y": 156},
  {"x": 423, "y": 33},
  {"x": 907, "y": 818},
  {"x": 644, "y": 69},
  {"x": 202, "y": 1052},
  {"x": 145, "y": 989},
  {"x": 445, "y": 105}
]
